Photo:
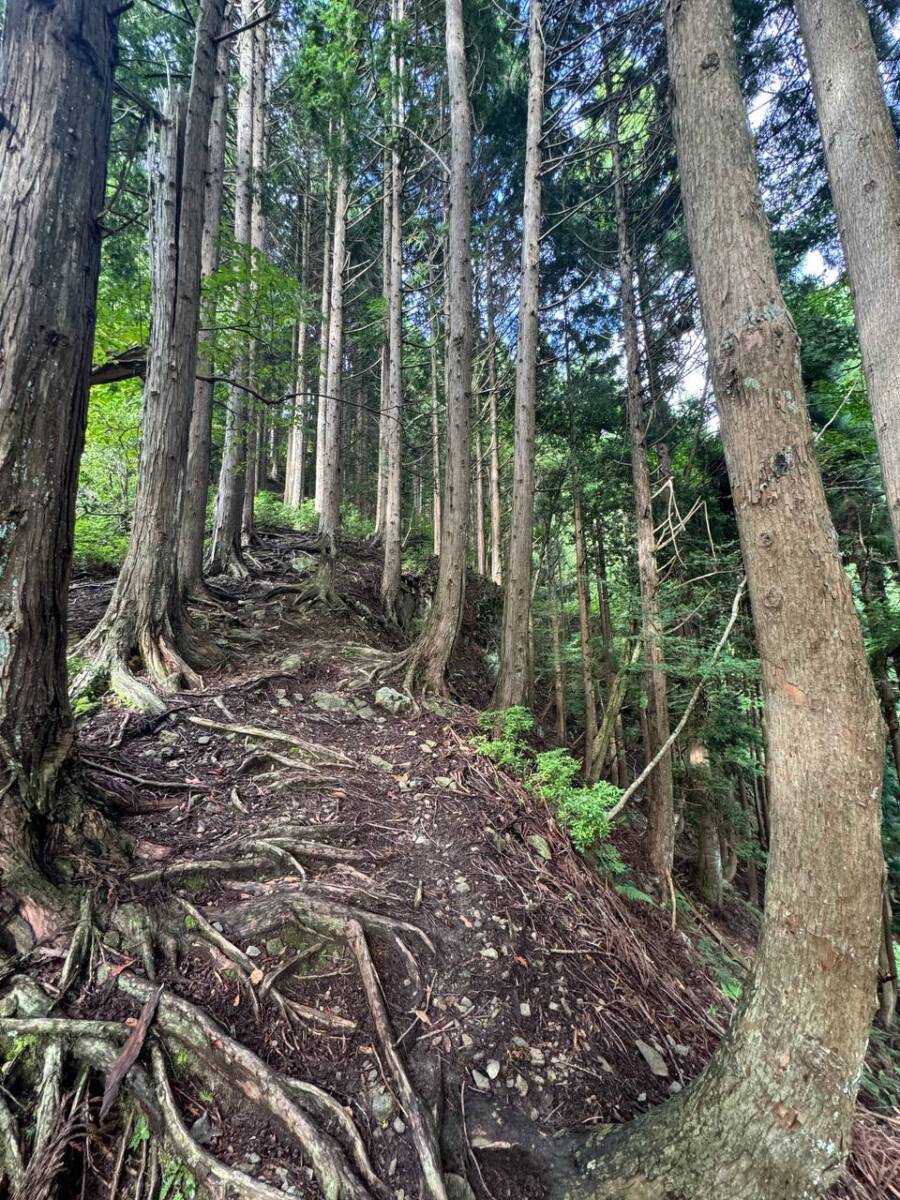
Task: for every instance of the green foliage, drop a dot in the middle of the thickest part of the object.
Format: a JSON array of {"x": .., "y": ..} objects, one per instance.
[
  {"x": 269, "y": 510},
  {"x": 584, "y": 811},
  {"x": 503, "y": 740},
  {"x": 722, "y": 968},
  {"x": 140, "y": 1134},
  {"x": 354, "y": 524},
  {"x": 178, "y": 1182}
]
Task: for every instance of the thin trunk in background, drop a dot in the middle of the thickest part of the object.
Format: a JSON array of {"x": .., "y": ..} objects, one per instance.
[
  {"x": 330, "y": 510},
  {"x": 225, "y": 553},
  {"x": 494, "y": 472},
  {"x": 295, "y": 472},
  {"x": 430, "y": 654},
  {"x": 435, "y": 436},
  {"x": 196, "y": 489},
  {"x": 864, "y": 174},
  {"x": 584, "y": 622},
  {"x": 513, "y": 684},
  {"x": 556, "y": 643},
  {"x": 660, "y": 836},
  {"x": 387, "y": 212},
  {"x": 324, "y": 334},
  {"x": 256, "y": 442},
  {"x": 392, "y": 533}
]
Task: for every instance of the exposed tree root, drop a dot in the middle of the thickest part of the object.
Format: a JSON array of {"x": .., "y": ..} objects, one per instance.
[{"x": 312, "y": 750}]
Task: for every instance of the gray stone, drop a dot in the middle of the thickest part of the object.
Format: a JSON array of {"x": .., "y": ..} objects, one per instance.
[
  {"x": 253, "y": 952},
  {"x": 521, "y": 1086},
  {"x": 381, "y": 1106},
  {"x": 331, "y": 702},
  {"x": 541, "y": 846},
  {"x": 653, "y": 1059},
  {"x": 493, "y": 1068},
  {"x": 382, "y": 763},
  {"x": 399, "y": 1125},
  {"x": 481, "y": 1081},
  {"x": 392, "y": 701},
  {"x": 525, "y": 1009},
  {"x": 293, "y": 662},
  {"x": 490, "y": 952},
  {"x": 202, "y": 1129}
]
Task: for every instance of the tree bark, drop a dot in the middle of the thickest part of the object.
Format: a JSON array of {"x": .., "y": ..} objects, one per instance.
[
  {"x": 494, "y": 474},
  {"x": 225, "y": 553},
  {"x": 295, "y": 473},
  {"x": 324, "y": 334},
  {"x": 256, "y": 442},
  {"x": 146, "y": 612},
  {"x": 387, "y": 210},
  {"x": 390, "y": 576},
  {"x": 435, "y": 439},
  {"x": 514, "y": 677},
  {"x": 330, "y": 511},
  {"x": 196, "y": 490},
  {"x": 556, "y": 641},
  {"x": 660, "y": 837},
  {"x": 56, "y": 76},
  {"x": 584, "y": 624},
  {"x": 430, "y": 654},
  {"x": 864, "y": 173},
  {"x": 480, "y": 544}
]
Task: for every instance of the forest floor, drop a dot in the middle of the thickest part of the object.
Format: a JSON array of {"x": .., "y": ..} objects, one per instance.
[{"x": 532, "y": 981}]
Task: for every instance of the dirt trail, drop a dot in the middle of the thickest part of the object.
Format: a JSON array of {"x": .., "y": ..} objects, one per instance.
[{"x": 508, "y": 968}]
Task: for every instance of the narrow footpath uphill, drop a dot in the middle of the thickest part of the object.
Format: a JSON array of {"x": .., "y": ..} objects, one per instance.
[{"x": 343, "y": 936}]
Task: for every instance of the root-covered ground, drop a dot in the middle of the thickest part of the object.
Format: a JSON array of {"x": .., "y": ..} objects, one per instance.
[{"x": 362, "y": 932}]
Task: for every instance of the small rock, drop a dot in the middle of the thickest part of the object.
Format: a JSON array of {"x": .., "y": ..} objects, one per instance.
[
  {"x": 489, "y": 952},
  {"x": 168, "y": 736},
  {"x": 541, "y": 846},
  {"x": 674, "y": 1087},
  {"x": 481, "y": 1081},
  {"x": 467, "y": 1042},
  {"x": 253, "y": 952},
  {"x": 461, "y": 885},
  {"x": 537, "y": 1056},
  {"x": 392, "y": 701},
  {"x": 443, "y": 781},
  {"x": 525, "y": 1009},
  {"x": 366, "y": 713},
  {"x": 653, "y": 1059},
  {"x": 493, "y": 1068},
  {"x": 293, "y": 662},
  {"x": 521, "y": 1086},
  {"x": 381, "y": 1106},
  {"x": 203, "y": 741},
  {"x": 253, "y": 1159},
  {"x": 399, "y": 1125},
  {"x": 382, "y": 763},
  {"x": 202, "y": 1129},
  {"x": 330, "y": 702},
  {"x": 275, "y": 947}
]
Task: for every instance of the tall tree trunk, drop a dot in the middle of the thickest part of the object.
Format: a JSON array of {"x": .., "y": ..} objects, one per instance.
[
  {"x": 146, "y": 612},
  {"x": 295, "y": 472},
  {"x": 494, "y": 473},
  {"x": 390, "y": 576},
  {"x": 584, "y": 623},
  {"x": 330, "y": 511},
  {"x": 610, "y": 674},
  {"x": 384, "y": 400},
  {"x": 480, "y": 545},
  {"x": 780, "y": 1091},
  {"x": 56, "y": 99},
  {"x": 514, "y": 678},
  {"x": 660, "y": 837},
  {"x": 256, "y": 442},
  {"x": 864, "y": 173},
  {"x": 225, "y": 553},
  {"x": 556, "y": 641},
  {"x": 435, "y": 438},
  {"x": 430, "y": 654},
  {"x": 196, "y": 490},
  {"x": 324, "y": 336}
]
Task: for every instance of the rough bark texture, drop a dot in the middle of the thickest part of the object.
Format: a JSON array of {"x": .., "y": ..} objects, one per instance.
[
  {"x": 387, "y": 210},
  {"x": 390, "y": 576},
  {"x": 584, "y": 625},
  {"x": 435, "y": 439},
  {"x": 146, "y": 613},
  {"x": 225, "y": 553},
  {"x": 430, "y": 654},
  {"x": 324, "y": 320},
  {"x": 514, "y": 677},
  {"x": 256, "y": 441},
  {"x": 864, "y": 173},
  {"x": 330, "y": 510},
  {"x": 56, "y": 75},
  {"x": 770, "y": 1117},
  {"x": 295, "y": 470},
  {"x": 660, "y": 837},
  {"x": 494, "y": 473},
  {"x": 193, "y": 520}
]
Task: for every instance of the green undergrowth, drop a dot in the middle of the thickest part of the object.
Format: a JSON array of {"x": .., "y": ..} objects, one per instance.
[
  {"x": 268, "y": 509},
  {"x": 554, "y": 776}
]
